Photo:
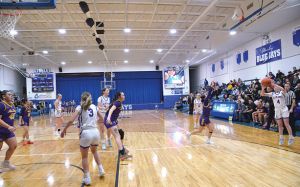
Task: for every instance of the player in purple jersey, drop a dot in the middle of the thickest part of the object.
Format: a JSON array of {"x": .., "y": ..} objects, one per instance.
[
  {"x": 25, "y": 118},
  {"x": 7, "y": 116},
  {"x": 111, "y": 123},
  {"x": 204, "y": 120}
]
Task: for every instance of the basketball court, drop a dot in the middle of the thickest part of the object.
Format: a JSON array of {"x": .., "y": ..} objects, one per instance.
[{"x": 66, "y": 47}]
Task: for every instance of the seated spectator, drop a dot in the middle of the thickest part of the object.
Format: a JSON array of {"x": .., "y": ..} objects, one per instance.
[
  {"x": 239, "y": 112},
  {"x": 258, "y": 115},
  {"x": 250, "y": 108}
]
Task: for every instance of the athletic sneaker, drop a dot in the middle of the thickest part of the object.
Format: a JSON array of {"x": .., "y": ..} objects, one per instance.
[
  {"x": 29, "y": 142},
  {"x": 109, "y": 142},
  {"x": 291, "y": 141},
  {"x": 86, "y": 180},
  {"x": 281, "y": 141},
  {"x": 188, "y": 135},
  {"x": 208, "y": 141},
  {"x": 125, "y": 157},
  {"x": 104, "y": 146},
  {"x": 195, "y": 125},
  {"x": 101, "y": 171},
  {"x": 8, "y": 166}
]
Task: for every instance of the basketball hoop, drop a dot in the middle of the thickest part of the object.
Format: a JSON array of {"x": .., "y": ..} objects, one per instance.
[{"x": 8, "y": 20}]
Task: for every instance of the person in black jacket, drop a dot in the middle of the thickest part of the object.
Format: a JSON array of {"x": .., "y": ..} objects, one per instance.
[{"x": 191, "y": 99}]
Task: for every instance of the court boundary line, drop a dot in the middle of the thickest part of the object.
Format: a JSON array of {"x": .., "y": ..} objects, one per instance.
[{"x": 117, "y": 171}]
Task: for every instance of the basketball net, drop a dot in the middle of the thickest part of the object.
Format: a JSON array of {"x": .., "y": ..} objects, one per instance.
[{"x": 8, "y": 20}]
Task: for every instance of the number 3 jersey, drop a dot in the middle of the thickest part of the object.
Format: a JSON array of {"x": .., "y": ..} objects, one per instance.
[
  {"x": 278, "y": 100},
  {"x": 87, "y": 118}
]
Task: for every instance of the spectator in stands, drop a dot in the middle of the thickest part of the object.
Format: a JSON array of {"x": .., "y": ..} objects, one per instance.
[
  {"x": 205, "y": 83},
  {"x": 296, "y": 79},
  {"x": 279, "y": 75},
  {"x": 240, "y": 108},
  {"x": 178, "y": 104},
  {"x": 258, "y": 115},
  {"x": 271, "y": 75},
  {"x": 290, "y": 100},
  {"x": 250, "y": 108},
  {"x": 297, "y": 93},
  {"x": 269, "y": 117},
  {"x": 295, "y": 70},
  {"x": 191, "y": 99}
]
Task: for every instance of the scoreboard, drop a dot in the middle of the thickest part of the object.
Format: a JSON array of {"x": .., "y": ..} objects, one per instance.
[{"x": 42, "y": 82}]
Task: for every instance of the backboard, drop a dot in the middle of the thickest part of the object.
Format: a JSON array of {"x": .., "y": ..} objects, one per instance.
[{"x": 27, "y": 4}]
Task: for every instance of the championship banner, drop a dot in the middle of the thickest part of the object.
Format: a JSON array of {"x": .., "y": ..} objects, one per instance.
[{"x": 269, "y": 53}]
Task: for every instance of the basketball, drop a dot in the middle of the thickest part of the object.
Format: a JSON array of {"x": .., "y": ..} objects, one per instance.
[{"x": 267, "y": 82}]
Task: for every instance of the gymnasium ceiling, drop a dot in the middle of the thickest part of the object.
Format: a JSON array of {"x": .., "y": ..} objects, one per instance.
[{"x": 199, "y": 25}]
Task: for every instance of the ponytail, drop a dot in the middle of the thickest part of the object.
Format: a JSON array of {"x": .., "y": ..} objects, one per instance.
[{"x": 86, "y": 100}]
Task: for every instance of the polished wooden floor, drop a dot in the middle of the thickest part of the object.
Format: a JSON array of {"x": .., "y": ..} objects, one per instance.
[{"x": 163, "y": 156}]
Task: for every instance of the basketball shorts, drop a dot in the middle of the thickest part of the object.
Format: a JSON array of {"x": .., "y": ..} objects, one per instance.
[
  {"x": 282, "y": 113},
  {"x": 6, "y": 134},
  {"x": 197, "y": 112},
  {"x": 58, "y": 114},
  {"x": 89, "y": 137},
  {"x": 107, "y": 125},
  {"x": 25, "y": 123},
  {"x": 204, "y": 121}
]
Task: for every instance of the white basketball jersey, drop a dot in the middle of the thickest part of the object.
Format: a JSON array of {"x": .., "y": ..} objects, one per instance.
[
  {"x": 87, "y": 118},
  {"x": 105, "y": 101},
  {"x": 198, "y": 104},
  {"x": 278, "y": 100},
  {"x": 58, "y": 106}
]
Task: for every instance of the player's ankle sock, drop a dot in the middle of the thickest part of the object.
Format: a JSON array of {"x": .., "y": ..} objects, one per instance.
[
  {"x": 122, "y": 152},
  {"x": 281, "y": 136}
]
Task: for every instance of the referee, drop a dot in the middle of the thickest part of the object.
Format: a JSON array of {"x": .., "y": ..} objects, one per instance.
[{"x": 290, "y": 100}]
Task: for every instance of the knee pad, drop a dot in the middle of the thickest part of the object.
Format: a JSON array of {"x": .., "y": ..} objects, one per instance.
[{"x": 122, "y": 133}]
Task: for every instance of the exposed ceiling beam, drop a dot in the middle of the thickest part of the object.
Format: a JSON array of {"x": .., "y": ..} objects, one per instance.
[{"x": 212, "y": 4}]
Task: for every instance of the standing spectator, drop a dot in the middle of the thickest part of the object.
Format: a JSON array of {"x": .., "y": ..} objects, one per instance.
[
  {"x": 191, "y": 103},
  {"x": 205, "y": 83},
  {"x": 279, "y": 75},
  {"x": 239, "y": 112},
  {"x": 295, "y": 80},
  {"x": 270, "y": 110},
  {"x": 297, "y": 93},
  {"x": 271, "y": 75},
  {"x": 290, "y": 100}
]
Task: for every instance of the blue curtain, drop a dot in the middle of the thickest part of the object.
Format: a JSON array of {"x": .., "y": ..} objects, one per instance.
[
  {"x": 71, "y": 88},
  {"x": 139, "y": 87}
]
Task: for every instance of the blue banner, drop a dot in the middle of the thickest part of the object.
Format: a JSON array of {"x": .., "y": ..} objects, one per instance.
[
  {"x": 238, "y": 59},
  {"x": 296, "y": 37},
  {"x": 269, "y": 53}
]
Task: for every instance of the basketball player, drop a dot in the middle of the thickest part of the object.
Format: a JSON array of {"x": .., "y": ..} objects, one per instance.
[
  {"x": 58, "y": 114},
  {"x": 24, "y": 119},
  {"x": 7, "y": 116},
  {"x": 204, "y": 120},
  {"x": 281, "y": 111},
  {"x": 89, "y": 136},
  {"x": 103, "y": 104},
  {"x": 198, "y": 107},
  {"x": 111, "y": 123}
]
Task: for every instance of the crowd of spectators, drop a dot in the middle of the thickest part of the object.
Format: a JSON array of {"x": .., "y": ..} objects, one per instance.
[{"x": 251, "y": 107}]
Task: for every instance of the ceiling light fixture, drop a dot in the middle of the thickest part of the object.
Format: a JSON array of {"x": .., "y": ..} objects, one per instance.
[
  {"x": 232, "y": 32},
  {"x": 127, "y": 30},
  {"x": 62, "y": 31}
]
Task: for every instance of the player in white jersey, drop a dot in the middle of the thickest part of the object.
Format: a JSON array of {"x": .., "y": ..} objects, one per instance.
[
  {"x": 198, "y": 107},
  {"x": 89, "y": 136},
  {"x": 58, "y": 114},
  {"x": 103, "y": 105},
  {"x": 281, "y": 111}
]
